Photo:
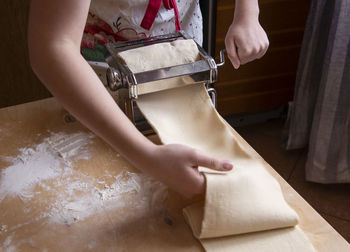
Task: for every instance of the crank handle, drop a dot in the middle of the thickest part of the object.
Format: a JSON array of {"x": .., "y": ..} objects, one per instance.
[{"x": 222, "y": 58}]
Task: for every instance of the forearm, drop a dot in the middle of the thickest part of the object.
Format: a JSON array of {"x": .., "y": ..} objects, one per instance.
[
  {"x": 246, "y": 9},
  {"x": 72, "y": 81},
  {"x": 54, "y": 36}
]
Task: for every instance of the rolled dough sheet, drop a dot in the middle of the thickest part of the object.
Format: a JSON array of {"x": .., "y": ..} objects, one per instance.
[
  {"x": 161, "y": 54},
  {"x": 244, "y": 210}
]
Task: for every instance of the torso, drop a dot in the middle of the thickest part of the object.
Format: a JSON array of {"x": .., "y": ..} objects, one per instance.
[{"x": 119, "y": 20}]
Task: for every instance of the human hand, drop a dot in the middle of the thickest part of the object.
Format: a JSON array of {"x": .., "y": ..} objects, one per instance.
[
  {"x": 245, "y": 40},
  {"x": 177, "y": 166}
]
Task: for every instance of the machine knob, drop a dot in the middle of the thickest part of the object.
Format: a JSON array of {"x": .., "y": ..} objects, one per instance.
[{"x": 114, "y": 79}]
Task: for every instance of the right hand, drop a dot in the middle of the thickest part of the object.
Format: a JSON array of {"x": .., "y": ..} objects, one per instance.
[
  {"x": 245, "y": 41},
  {"x": 176, "y": 165}
]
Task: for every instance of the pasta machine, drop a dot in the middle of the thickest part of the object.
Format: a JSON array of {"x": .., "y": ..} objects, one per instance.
[{"x": 126, "y": 86}]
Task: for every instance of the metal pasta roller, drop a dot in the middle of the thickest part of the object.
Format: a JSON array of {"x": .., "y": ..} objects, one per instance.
[{"x": 126, "y": 86}]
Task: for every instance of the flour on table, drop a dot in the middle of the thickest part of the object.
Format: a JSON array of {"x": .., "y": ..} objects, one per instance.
[
  {"x": 7, "y": 246},
  {"x": 71, "y": 145},
  {"x": 49, "y": 159},
  {"x": 79, "y": 201},
  {"x": 3, "y": 229},
  {"x": 92, "y": 245},
  {"x": 72, "y": 196}
]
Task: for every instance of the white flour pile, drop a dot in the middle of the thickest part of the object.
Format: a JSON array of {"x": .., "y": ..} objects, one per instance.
[
  {"x": 50, "y": 159},
  {"x": 74, "y": 195}
]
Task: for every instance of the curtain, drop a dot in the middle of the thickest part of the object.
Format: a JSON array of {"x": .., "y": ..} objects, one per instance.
[{"x": 319, "y": 115}]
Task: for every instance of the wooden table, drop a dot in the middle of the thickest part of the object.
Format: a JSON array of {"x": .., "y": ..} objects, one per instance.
[{"x": 99, "y": 202}]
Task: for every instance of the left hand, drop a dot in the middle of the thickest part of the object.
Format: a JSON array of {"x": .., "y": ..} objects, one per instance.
[{"x": 245, "y": 40}]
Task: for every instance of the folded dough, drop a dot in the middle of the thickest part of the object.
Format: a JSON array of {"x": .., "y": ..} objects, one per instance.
[{"x": 244, "y": 210}]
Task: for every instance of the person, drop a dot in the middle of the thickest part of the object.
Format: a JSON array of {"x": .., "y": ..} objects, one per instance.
[{"x": 54, "y": 39}]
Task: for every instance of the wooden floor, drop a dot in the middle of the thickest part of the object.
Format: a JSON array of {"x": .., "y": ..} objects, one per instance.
[{"x": 331, "y": 201}]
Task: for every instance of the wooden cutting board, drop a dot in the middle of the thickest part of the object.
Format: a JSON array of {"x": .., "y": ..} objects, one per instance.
[{"x": 90, "y": 198}]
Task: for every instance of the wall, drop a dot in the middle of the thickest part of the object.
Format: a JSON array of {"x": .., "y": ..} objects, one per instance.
[{"x": 18, "y": 83}]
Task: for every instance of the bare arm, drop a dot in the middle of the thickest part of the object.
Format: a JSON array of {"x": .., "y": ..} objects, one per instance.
[
  {"x": 246, "y": 40},
  {"x": 54, "y": 37},
  {"x": 55, "y": 32}
]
